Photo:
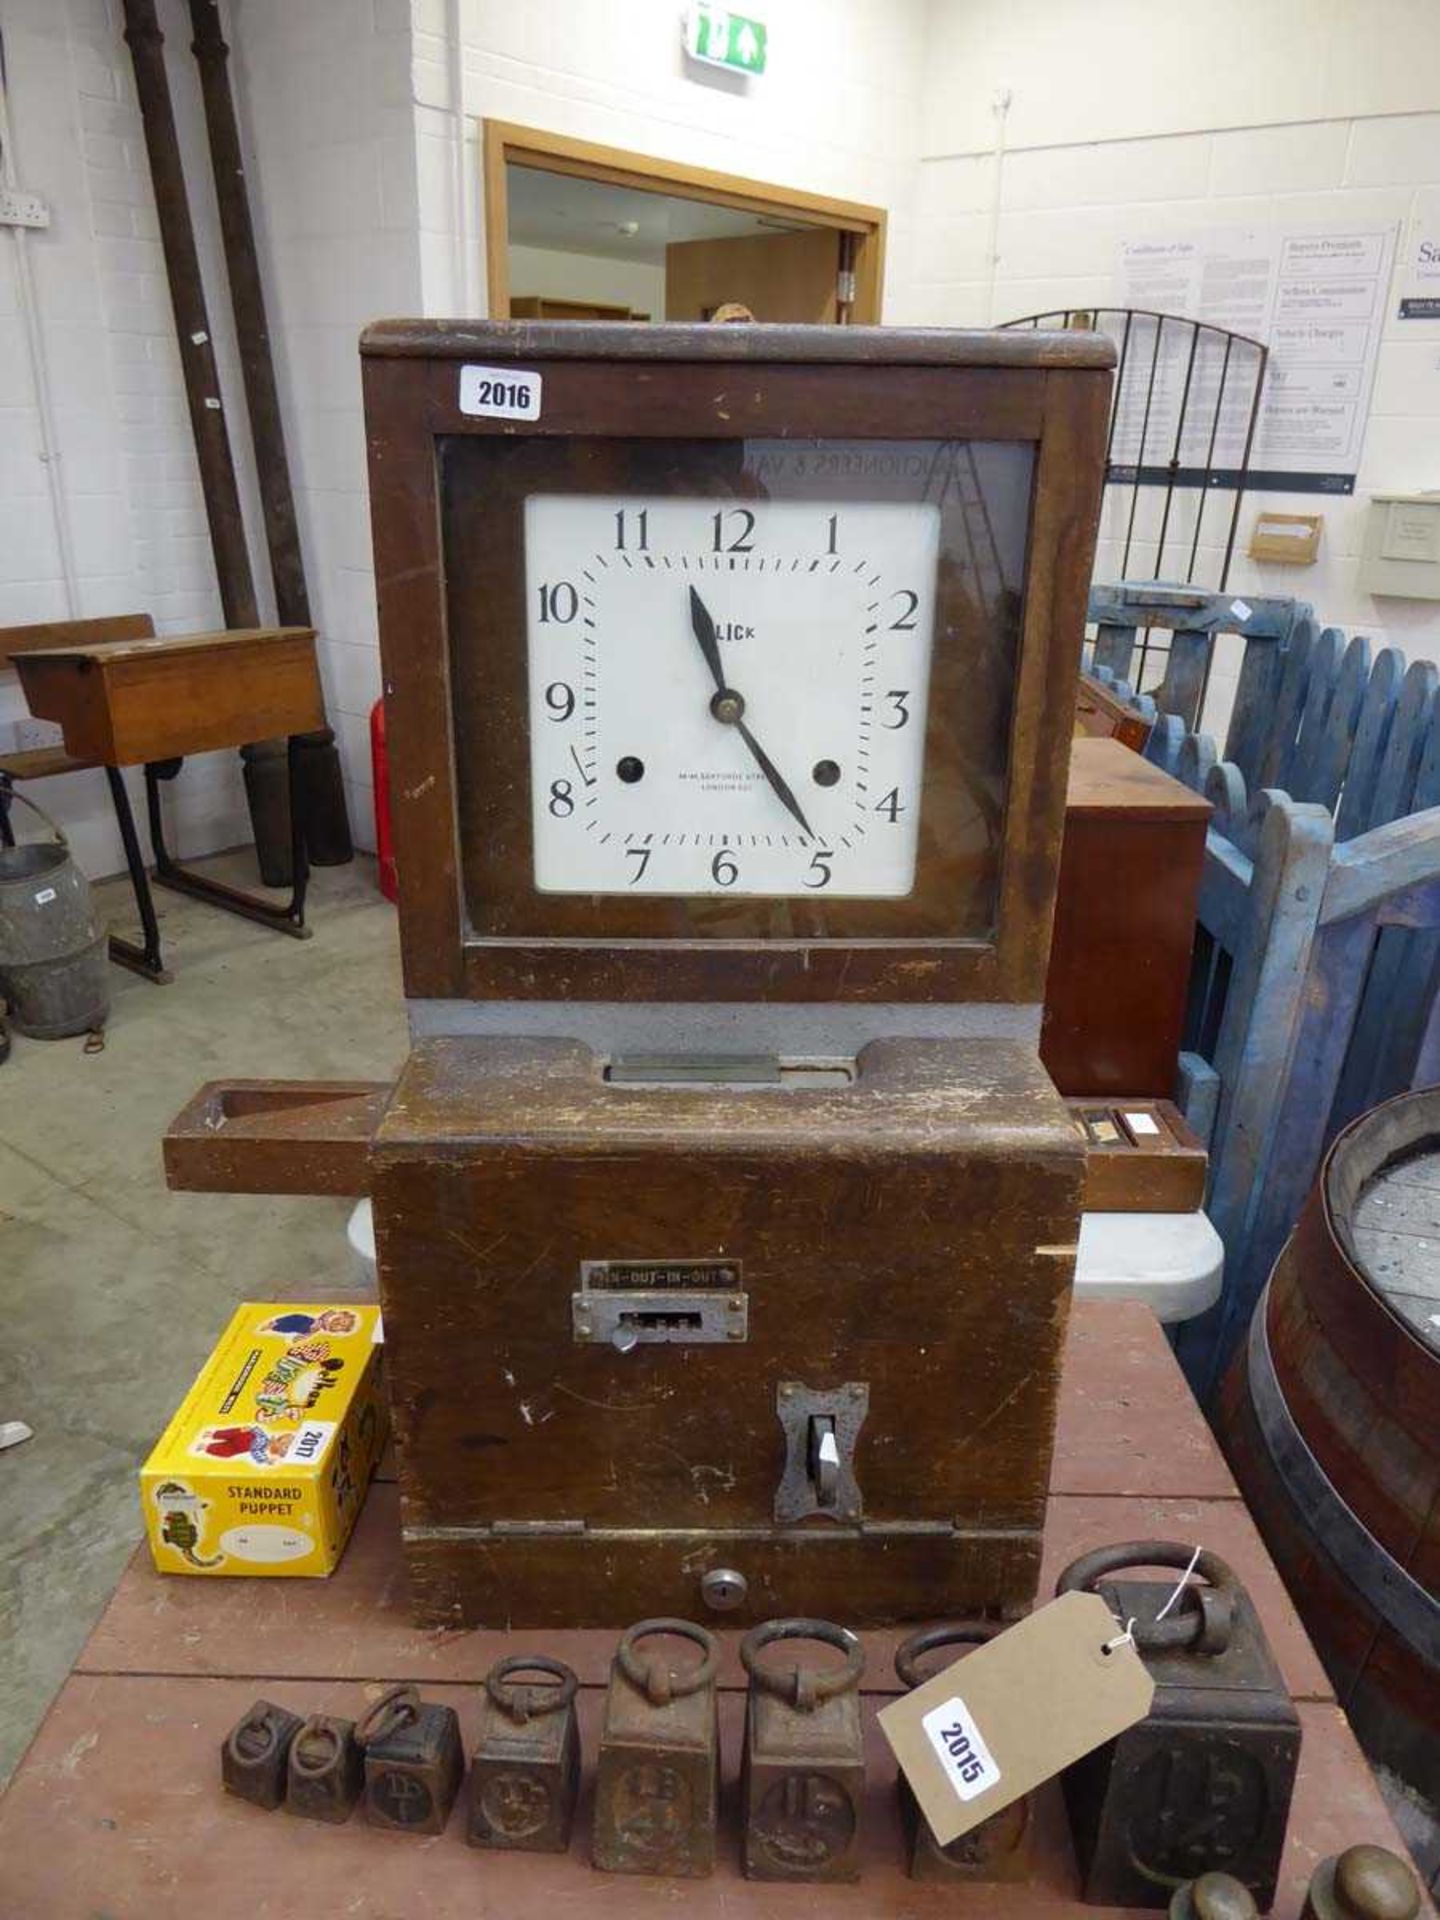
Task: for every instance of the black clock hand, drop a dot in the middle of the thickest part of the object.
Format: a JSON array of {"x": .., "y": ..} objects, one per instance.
[
  {"x": 773, "y": 774},
  {"x": 728, "y": 707},
  {"x": 703, "y": 628}
]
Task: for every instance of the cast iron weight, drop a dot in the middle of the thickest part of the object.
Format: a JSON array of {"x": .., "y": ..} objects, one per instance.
[
  {"x": 1203, "y": 1782},
  {"x": 1214, "y": 1896},
  {"x": 413, "y": 1762},
  {"x": 525, "y": 1770},
  {"x": 802, "y": 1782},
  {"x": 656, "y": 1779},
  {"x": 998, "y": 1848},
  {"x": 326, "y": 1772},
  {"x": 1363, "y": 1883},
  {"x": 252, "y": 1760}
]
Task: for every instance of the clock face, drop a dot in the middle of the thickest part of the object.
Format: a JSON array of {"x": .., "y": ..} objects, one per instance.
[
  {"x": 728, "y": 699},
  {"x": 721, "y": 690}
]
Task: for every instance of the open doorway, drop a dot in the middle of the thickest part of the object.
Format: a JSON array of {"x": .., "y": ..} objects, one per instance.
[{"x": 575, "y": 231}]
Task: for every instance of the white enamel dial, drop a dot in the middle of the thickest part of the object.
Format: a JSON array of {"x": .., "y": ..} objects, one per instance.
[{"x": 727, "y": 698}]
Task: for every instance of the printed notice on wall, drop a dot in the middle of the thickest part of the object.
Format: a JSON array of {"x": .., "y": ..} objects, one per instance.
[
  {"x": 1420, "y": 262},
  {"x": 1317, "y": 299}
]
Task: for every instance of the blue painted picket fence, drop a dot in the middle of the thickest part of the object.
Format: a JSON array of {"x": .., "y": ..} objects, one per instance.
[
  {"x": 1313, "y": 988},
  {"x": 1125, "y": 615}
]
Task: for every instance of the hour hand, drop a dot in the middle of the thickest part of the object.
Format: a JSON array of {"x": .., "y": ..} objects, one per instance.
[{"x": 703, "y": 628}]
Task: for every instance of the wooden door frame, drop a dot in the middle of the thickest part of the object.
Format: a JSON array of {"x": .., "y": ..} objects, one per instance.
[{"x": 506, "y": 144}]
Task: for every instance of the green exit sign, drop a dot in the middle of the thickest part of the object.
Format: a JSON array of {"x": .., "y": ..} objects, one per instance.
[{"x": 724, "y": 39}]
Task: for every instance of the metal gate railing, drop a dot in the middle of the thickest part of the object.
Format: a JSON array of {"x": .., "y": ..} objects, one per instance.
[{"x": 1183, "y": 417}]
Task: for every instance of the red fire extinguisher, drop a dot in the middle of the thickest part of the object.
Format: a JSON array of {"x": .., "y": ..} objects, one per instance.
[{"x": 380, "y": 774}]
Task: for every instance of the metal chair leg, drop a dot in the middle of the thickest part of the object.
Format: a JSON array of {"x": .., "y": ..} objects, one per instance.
[
  {"x": 145, "y": 960},
  {"x": 172, "y": 873}
]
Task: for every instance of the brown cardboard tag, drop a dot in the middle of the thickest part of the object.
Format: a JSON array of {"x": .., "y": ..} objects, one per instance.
[{"x": 1016, "y": 1711}]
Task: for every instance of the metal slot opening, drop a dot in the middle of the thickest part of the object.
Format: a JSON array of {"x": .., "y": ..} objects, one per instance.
[
  {"x": 727, "y": 1070},
  {"x": 656, "y": 1316},
  {"x": 656, "y": 1322}
]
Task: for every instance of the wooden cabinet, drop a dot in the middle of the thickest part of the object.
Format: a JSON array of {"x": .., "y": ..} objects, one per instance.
[
  {"x": 1130, "y": 869},
  {"x": 768, "y": 1319},
  {"x": 620, "y": 1318}
]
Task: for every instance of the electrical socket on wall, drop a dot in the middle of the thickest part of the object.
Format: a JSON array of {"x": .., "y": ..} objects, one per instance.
[
  {"x": 20, "y": 209},
  {"x": 30, "y": 734}
]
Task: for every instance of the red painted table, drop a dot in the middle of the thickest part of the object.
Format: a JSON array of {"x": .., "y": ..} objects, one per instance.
[{"x": 117, "y": 1810}]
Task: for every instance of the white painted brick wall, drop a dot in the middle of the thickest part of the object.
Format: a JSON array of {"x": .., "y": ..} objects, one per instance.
[
  {"x": 1129, "y": 69},
  {"x": 835, "y": 113},
  {"x": 1063, "y": 211},
  {"x": 363, "y": 209},
  {"x": 1182, "y": 83},
  {"x": 128, "y": 466},
  {"x": 324, "y": 94}
]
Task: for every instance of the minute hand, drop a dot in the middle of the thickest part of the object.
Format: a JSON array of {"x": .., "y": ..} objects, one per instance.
[
  {"x": 703, "y": 627},
  {"x": 773, "y": 774}
]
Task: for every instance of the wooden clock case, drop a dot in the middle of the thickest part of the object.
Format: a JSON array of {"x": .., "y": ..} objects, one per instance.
[
  {"x": 1049, "y": 392},
  {"x": 768, "y": 1323}
]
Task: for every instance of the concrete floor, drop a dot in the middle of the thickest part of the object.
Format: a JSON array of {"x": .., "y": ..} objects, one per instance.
[{"x": 113, "y": 1289}]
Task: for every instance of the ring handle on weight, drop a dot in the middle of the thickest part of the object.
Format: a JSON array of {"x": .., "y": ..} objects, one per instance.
[
  {"x": 14, "y": 794},
  {"x": 316, "y": 1732},
  {"x": 661, "y": 1683},
  {"x": 256, "y": 1723},
  {"x": 1203, "y": 1621},
  {"x": 512, "y": 1701},
  {"x": 961, "y": 1633},
  {"x": 397, "y": 1707},
  {"x": 803, "y": 1687}
]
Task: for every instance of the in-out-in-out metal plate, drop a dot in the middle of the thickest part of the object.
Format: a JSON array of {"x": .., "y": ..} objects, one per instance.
[{"x": 630, "y": 1303}]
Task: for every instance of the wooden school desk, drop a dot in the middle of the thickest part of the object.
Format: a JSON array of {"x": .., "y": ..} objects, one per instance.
[{"x": 150, "y": 702}]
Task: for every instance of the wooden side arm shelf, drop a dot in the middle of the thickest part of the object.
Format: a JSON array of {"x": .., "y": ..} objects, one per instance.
[
  {"x": 1140, "y": 1157},
  {"x": 313, "y": 1136},
  {"x": 276, "y": 1136}
]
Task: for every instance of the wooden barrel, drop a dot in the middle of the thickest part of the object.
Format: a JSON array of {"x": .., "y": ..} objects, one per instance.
[{"x": 1331, "y": 1419}]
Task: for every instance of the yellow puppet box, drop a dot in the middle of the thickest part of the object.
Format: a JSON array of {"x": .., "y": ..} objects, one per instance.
[{"x": 264, "y": 1467}]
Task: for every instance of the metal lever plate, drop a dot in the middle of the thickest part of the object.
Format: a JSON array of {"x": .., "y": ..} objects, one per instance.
[{"x": 814, "y": 1482}]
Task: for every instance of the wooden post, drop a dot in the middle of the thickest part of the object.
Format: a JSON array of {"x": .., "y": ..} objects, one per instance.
[
  {"x": 192, "y": 322},
  {"x": 1186, "y": 672},
  {"x": 1115, "y": 648},
  {"x": 247, "y": 300},
  {"x": 1264, "y": 915}
]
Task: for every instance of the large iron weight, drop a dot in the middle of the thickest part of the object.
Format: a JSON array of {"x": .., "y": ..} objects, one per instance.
[
  {"x": 802, "y": 1783},
  {"x": 657, "y": 1776},
  {"x": 998, "y": 1848},
  {"x": 1203, "y": 1783}
]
